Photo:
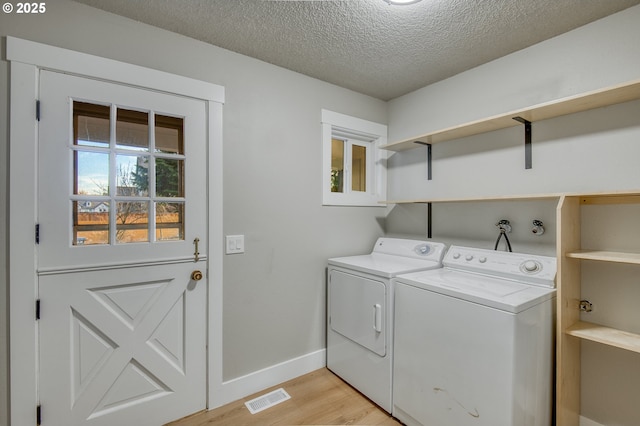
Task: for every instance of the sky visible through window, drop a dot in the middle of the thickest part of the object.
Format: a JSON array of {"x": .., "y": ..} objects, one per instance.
[{"x": 93, "y": 169}]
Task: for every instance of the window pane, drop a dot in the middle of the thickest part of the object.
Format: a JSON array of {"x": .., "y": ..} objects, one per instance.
[
  {"x": 132, "y": 178},
  {"x": 358, "y": 168},
  {"x": 90, "y": 222},
  {"x": 132, "y": 130},
  {"x": 132, "y": 222},
  {"x": 337, "y": 165},
  {"x": 169, "y": 178},
  {"x": 168, "y": 132},
  {"x": 91, "y": 173},
  {"x": 169, "y": 221},
  {"x": 91, "y": 124}
]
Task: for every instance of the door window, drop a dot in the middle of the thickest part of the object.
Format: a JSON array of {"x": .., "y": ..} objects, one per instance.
[{"x": 128, "y": 176}]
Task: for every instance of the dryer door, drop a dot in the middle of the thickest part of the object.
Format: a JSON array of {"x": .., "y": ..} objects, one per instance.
[{"x": 358, "y": 310}]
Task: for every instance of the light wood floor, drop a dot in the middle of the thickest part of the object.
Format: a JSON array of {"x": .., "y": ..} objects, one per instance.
[{"x": 317, "y": 398}]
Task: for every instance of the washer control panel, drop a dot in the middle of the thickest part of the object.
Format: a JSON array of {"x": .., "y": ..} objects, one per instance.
[{"x": 529, "y": 268}]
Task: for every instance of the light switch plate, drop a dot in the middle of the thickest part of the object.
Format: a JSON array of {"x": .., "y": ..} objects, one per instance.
[{"x": 234, "y": 244}]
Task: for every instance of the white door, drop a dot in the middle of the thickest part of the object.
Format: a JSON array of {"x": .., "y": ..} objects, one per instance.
[{"x": 122, "y": 213}]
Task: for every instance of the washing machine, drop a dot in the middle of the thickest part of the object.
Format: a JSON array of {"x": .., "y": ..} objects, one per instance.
[
  {"x": 360, "y": 312},
  {"x": 474, "y": 341}
]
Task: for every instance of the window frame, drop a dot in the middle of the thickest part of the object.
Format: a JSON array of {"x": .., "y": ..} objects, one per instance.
[{"x": 354, "y": 131}]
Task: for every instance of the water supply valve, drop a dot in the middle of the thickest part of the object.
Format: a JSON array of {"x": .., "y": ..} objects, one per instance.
[
  {"x": 504, "y": 225},
  {"x": 538, "y": 228}
]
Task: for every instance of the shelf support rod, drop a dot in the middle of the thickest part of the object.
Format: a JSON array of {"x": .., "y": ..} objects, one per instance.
[
  {"x": 429, "y": 211},
  {"x": 428, "y": 145},
  {"x": 527, "y": 141}
]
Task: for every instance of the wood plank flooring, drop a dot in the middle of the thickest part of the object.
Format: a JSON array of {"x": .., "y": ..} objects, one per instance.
[{"x": 317, "y": 398}]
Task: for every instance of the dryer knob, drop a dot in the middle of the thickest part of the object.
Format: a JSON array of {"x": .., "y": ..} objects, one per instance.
[
  {"x": 482, "y": 259},
  {"x": 422, "y": 249},
  {"x": 456, "y": 255},
  {"x": 469, "y": 257}
]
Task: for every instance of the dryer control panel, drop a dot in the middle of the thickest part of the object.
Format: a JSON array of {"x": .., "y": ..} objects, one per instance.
[
  {"x": 522, "y": 267},
  {"x": 428, "y": 250}
]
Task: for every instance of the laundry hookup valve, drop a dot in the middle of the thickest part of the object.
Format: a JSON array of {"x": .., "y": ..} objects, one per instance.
[{"x": 538, "y": 228}]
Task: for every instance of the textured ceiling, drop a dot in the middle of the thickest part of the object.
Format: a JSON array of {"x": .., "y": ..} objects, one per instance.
[{"x": 368, "y": 45}]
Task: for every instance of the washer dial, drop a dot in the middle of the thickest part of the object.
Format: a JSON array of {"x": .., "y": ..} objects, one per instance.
[{"x": 530, "y": 266}]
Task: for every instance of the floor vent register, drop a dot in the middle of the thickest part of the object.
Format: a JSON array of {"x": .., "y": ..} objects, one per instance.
[{"x": 267, "y": 400}]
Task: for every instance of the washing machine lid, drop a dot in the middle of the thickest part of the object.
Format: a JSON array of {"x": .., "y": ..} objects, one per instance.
[{"x": 506, "y": 295}]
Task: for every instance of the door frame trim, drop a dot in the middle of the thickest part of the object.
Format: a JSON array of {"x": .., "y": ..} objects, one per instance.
[{"x": 27, "y": 59}]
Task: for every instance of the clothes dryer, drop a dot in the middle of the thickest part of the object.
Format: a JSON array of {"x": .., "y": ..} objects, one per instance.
[{"x": 360, "y": 312}]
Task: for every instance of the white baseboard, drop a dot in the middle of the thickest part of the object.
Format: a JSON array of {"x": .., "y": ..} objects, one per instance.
[
  {"x": 241, "y": 387},
  {"x": 588, "y": 422}
]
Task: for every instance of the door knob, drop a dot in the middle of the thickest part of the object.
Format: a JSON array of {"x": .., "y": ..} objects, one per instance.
[{"x": 196, "y": 275}]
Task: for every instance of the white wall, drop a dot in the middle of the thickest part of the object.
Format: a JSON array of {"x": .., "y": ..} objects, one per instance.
[
  {"x": 596, "y": 150},
  {"x": 274, "y": 294}
]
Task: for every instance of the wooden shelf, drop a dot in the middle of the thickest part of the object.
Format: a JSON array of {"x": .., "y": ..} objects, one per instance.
[
  {"x": 605, "y": 335},
  {"x": 527, "y": 197},
  {"x": 606, "y": 256},
  {"x": 616, "y": 197},
  {"x": 595, "y": 99},
  {"x": 613, "y": 198}
]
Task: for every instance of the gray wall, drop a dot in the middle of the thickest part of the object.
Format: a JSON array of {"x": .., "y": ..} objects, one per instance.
[
  {"x": 274, "y": 294},
  {"x": 596, "y": 150}
]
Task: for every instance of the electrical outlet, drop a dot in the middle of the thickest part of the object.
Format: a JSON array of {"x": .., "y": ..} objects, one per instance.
[{"x": 235, "y": 244}]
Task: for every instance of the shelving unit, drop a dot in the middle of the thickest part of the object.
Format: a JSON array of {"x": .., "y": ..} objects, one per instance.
[
  {"x": 571, "y": 330},
  {"x": 598, "y": 98}
]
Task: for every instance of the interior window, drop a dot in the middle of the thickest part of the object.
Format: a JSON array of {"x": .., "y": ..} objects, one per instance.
[{"x": 354, "y": 168}]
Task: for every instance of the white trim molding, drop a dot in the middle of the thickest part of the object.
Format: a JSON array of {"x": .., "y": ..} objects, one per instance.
[
  {"x": 27, "y": 59},
  {"x": 588, "y": 422},
  {"x": 68, "y": 61},
  {"x": 262, "y": 379}
]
